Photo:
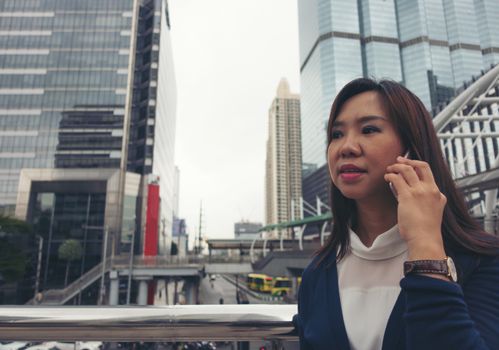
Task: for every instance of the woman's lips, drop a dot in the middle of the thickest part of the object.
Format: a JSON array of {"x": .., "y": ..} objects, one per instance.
[
  {"x": 350, "y": 172},
  {"x": 350, "y": 176}
]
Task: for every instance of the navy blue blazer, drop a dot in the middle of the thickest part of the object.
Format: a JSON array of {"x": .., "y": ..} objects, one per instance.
[{"x": 429, "y": 313}]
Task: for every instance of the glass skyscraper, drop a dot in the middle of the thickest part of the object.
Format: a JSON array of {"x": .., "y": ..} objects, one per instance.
[
  {"x": 85, "y": 89},
  {"x": 432, "y": 46}
]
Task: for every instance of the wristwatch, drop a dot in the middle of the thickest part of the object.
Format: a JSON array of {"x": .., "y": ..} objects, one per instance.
[{"x": 444, "y": 267}]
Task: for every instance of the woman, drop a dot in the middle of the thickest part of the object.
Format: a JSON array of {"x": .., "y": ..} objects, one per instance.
[{"x": 396, "y": 212}]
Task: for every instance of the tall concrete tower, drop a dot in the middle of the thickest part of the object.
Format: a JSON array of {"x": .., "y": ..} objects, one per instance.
[{"x": 283, "y": 164}]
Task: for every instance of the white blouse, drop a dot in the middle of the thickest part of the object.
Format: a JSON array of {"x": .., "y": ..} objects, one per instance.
[{"x": 368, "y": 280}]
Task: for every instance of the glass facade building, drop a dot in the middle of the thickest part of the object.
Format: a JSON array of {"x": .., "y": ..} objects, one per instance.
[
  {"x": 85, "y": 87},
  {"x": 64, "y": 77},
  {"x": 431, "y": 46}
]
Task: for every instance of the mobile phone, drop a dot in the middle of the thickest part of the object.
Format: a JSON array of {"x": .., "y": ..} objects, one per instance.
[{"x": 406, "y": 155}]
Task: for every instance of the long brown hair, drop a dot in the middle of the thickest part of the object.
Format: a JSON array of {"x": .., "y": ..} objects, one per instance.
[{"x": 415, "y": 128}]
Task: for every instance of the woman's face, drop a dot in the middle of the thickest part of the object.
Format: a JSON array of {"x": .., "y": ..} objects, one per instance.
[{"x": 364, "y": 142}]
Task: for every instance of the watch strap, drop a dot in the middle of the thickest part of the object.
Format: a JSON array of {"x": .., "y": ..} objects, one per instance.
[{"x": 426, "y": 266}]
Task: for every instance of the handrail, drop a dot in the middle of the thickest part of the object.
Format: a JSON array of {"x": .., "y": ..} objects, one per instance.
[
  {"x": 121, "y": 261},
  {"x": 168, "y": 323},
  {"x": 60, "y": 296}
]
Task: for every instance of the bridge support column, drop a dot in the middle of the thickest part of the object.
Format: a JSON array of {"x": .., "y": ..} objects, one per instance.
[
  {"x": 113, "y": 288},
  {"x": 170, "y": 295},
  {"x": 160, "y": 297},
  {"x": 142, "y": 295},
  {"x": 175, "y": 292},
  {"x": 191, "y": 287}
]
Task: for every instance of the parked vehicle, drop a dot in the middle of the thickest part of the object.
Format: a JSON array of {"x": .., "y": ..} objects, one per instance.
[
  {"x": 38, "y": 347},
  {"x": 49, "y": 346},
  {"x": 54, "y": 345},
  {"x": 15, "y": 345},
  {"x": 281, "y": 286},
  {"x": 200, "y": 346},
  {"x": 259, "y": 282},
  {"x": 89, "y": 345}
]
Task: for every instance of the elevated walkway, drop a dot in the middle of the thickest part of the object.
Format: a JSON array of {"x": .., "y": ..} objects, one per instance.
[
  {"x": 283, "y": 263},
  {"x": 158, "y": 266},
  {"x": 229, "y": 268},
  {"x": 245, "y": 245},
  {"x": 142, "y": 267},
  {"x": 145, "y": 268}
]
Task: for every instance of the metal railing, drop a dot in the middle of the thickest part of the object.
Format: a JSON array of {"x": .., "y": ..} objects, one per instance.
[
  {"x": 163, "y": 261},
  {"x": 60, "y": 296},
  {"x": 169, "y": 323}
]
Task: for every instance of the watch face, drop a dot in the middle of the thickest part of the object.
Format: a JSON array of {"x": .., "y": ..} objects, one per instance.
[{"x": 452, "y": 269}]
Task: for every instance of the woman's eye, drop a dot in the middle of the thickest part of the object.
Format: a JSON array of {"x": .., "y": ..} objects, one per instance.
[
  {"x": 336, "y": 134},
  {"x": 369, "y": 129}
]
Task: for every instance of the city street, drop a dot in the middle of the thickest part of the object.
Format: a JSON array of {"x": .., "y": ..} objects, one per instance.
[{"x": 210, "y": 292}]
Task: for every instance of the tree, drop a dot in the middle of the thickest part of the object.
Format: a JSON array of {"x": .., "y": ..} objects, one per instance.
[
  {"x": 70, "y": 250},
  {"x": 13, "y": 226},
  {"x": 12, "y": 262},
  {"x": 14, "y": 246}
]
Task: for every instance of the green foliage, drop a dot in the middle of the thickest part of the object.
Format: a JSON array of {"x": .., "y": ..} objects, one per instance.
[
  {"x": 70, "y": 250},
  {"x": 13, "y": 238},
  {"x": 12, "y": 262},
  {"x": 14, "y": 226}
]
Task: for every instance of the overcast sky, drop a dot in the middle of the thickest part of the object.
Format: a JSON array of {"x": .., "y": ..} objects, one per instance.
[{"x": 229, "y": 57}]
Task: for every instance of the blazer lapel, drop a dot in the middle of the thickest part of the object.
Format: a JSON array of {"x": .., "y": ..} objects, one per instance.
[
  {"x": 394, "y": 337},
  {"x": 335, "y": 313}
]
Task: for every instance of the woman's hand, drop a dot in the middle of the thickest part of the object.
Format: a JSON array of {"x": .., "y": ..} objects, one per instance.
[{"x": 420, "y": 208}]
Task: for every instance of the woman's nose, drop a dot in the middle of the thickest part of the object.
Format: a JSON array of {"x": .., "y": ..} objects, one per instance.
[{"x": 350, "y": 147}]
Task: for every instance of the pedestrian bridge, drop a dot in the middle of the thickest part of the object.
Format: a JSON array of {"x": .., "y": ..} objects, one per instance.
[
  {"x": 145, "y": 269},
  {"x": 180, "y": 266}
]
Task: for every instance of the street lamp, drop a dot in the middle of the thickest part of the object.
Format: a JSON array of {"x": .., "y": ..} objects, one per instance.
[{"x": 38, "y": 265}]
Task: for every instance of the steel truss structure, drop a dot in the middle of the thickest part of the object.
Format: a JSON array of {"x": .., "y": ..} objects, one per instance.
[{"x": 468, "y": 130}]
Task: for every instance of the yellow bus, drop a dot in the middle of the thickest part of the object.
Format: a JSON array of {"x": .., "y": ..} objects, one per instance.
[
  {"x": 281, "y": 286},
  {"x": 259, "y": 282}
]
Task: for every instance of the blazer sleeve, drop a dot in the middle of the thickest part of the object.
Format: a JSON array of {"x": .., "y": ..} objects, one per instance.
[
  {"x": 444, "y": 315},
  {"x": 300, "y": 318}
]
